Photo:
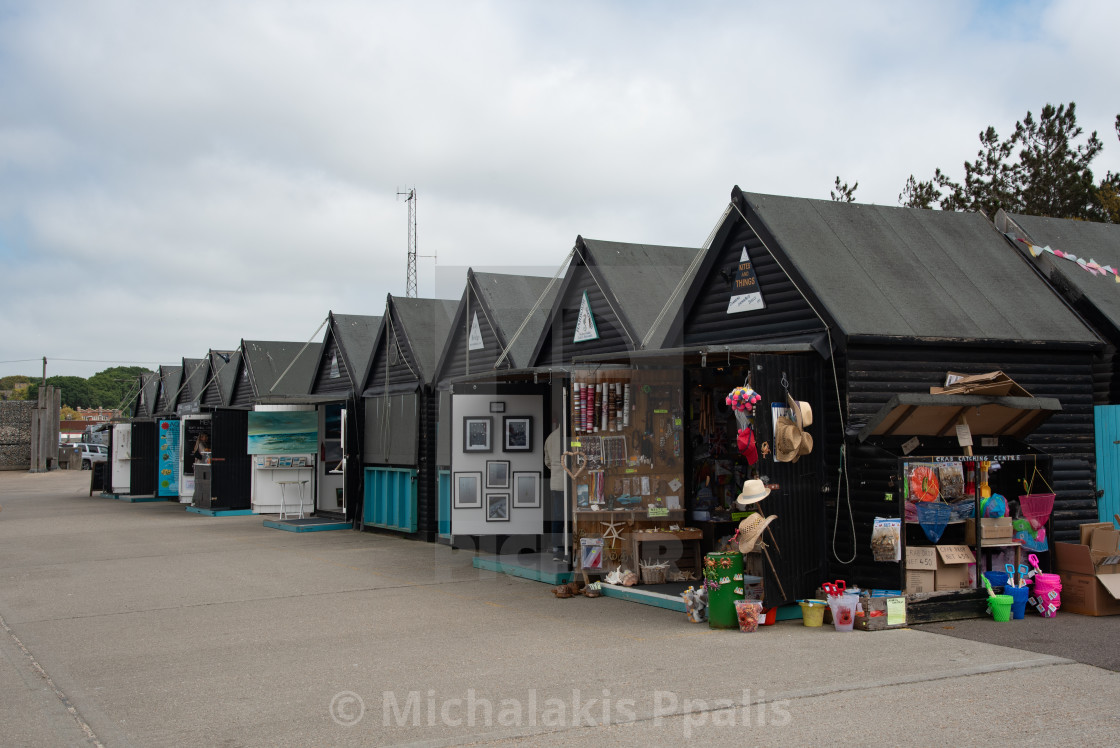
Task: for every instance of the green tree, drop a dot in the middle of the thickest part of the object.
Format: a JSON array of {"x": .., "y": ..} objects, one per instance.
[
  {"x": 842, "y": 193},
  {"x": 1108, "y": 191},
  {"x": 76, "y": 392},
  {"x": 1041, "y": 169},
  {"x": 112, "y": 385}
]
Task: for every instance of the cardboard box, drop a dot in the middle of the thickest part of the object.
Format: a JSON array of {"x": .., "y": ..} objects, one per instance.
[
  {"x": 1089, "y": 585},
  {"x": 919, "y": 581},
  {"x": 949, "y": 564},
  {"x": 994, "y": 383}
]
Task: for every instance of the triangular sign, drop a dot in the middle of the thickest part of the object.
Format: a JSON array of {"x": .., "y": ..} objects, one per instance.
[
  {"x": 586, "y": 329},
  {"x": 474, "y": 342},
  {"x": 745, "y": 293}
]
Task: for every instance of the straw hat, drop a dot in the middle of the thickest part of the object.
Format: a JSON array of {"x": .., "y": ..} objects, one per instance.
[
  {"x": 750, "y": 530},
  {"x": 753, "y": 492},
  {"x": 792, "y": 440}
]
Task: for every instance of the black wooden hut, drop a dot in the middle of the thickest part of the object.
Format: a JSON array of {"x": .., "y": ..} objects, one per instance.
[
  {"x": 223, "y": 484},
  {"x": 859, "y": 304},
  {"x": 1081, "y": 261},
  {"x": 496, "y": 325},
  {"x": 401, "y": 417}
]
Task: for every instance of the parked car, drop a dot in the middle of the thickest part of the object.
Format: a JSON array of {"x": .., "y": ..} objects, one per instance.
[{"x": 92, "y": 453}]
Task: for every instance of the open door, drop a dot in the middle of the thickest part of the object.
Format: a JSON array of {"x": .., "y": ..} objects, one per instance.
[{"x": 345, "y": 452}]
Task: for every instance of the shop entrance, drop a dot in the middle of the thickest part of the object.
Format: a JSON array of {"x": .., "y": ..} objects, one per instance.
[{"x": 330, "y": 499}]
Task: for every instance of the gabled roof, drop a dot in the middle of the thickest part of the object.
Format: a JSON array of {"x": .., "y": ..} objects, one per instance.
[
  {"x": 194, "y": 378},
  {"x": 1087, "y": 240},
  {"x": 424, "y": 324},
  {"x": 911, "y": 273},
  {"x": 502, "y": 303},
  {"x": 356, "y": 338},
  {"x": 146, "y": 397},
  {"x": 508, "y": 300},
  {"x": 170, "y": 379},
  {"x": 279, "y": 368},
  {"x": 644, "y": 285},
  {"x": 222, "y": 374}
]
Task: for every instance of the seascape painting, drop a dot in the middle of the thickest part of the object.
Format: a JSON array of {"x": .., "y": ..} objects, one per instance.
[{"x": 283, "y": 432}]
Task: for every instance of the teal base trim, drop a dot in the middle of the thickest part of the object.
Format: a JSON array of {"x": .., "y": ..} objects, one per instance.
[
  {"x": 138, "y": 499},
  {"x": 105, "y": 495},
  {"x": 637, "y": 595},
  {"x": 219, "y": 512},
  {"x": 789, "y": 613},
  {"x": 491, "y": 563},
  {"x": 279, "y": 525}
]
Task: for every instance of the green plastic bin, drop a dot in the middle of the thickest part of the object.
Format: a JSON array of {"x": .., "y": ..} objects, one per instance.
[{"x": 723, "y": 573}]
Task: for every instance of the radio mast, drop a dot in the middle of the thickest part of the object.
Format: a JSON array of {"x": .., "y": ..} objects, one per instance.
[{"x": 410, "y": 280}]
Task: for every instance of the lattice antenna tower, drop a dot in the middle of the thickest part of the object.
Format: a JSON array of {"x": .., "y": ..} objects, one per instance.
[{"x": 410, "y": 279}]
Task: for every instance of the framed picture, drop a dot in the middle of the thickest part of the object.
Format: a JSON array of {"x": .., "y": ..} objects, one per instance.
[
  {"x": 468, "y": 491},
  {"x": 583, "y": 495},
  {"x": 497, "y": 507},
  {"x": 497, "y": 407},
  {"x": 476, "y": 433},
  {"x": 527, "y": 490},
  {"x": 497, "y": 473},
  {"x": 517, "y": 434}
]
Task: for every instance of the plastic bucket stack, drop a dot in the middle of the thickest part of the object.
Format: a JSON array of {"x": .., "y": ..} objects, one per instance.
[
  {"x": 997, "y": 578},
  {"x": 1019, "y": 597},
  {"x": 1047, "y": 594},
  {"x": 1000, "y": 605},
  {"x": 812, "y": 612}
]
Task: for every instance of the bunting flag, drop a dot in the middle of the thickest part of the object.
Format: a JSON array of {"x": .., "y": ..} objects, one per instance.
[{"x": 1089, "y": 266}]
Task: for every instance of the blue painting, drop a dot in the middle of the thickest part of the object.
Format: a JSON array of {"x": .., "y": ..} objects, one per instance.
[{"x": 283, "y": 432}]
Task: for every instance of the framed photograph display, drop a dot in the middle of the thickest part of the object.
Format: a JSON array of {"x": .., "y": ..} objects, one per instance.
[
  {"x": 497, "y": 507},
  {"x": 527, "y": 490},
  {"x": 497, "y": 473},
  {"x": 477, "y": 433},
  {"x": 498, "y": 406},
  {"x": 517, "y": 434},
  {"x": 468, "y": 490}
]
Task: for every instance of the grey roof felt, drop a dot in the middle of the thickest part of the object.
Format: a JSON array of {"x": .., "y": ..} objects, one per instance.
[
  {"x": 886, "y": 271},
  {"x": 356, "y": 336},
  {"x": 425, "y": 324},
  {"x": 267, "y": 360},
  {"x": 194, "y": 378},
  {"x": 1084, "y": 239},
  {"x": 643, "y": 278},
  {"x": 508, "y": 299}
]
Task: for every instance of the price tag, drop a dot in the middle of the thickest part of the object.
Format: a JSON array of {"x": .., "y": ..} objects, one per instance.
[{"x": 658, "y": 511}]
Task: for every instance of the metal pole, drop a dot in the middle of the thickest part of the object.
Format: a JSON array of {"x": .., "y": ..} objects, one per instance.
[{"x": 564, "y": 447}]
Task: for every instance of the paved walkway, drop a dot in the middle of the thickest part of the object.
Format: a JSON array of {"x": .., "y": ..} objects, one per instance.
[{"x": 143, "y": 625}]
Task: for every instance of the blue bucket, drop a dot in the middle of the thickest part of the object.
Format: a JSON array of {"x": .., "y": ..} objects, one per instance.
[
  {"x": 997, "y": 578},
  {"x": 1019, "y": 597}
]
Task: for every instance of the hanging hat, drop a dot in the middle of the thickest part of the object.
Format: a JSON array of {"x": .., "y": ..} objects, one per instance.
[
  {"x": 801, "y": 411},
  {"x": 754, "y": 491},
  {"x": 750, "y": 530},
  {"x": 787, "y": 440},
  {"x": 748, "y": 446}
]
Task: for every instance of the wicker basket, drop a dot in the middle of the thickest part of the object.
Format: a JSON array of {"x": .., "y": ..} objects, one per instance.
[{"x": 654, "y": 574}]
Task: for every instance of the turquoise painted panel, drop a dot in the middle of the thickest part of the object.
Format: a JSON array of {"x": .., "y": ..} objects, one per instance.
[
  {"x": 390, "y": 499},
  {"x": 1107, "y": 428},
  {"x": 444, "y": 518}
]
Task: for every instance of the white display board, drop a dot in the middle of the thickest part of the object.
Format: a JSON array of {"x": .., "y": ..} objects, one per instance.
[
  {"x": 502, "y": 476},
  {"x": 121, "y": 477},
  {"x": 276, "y": 476}
]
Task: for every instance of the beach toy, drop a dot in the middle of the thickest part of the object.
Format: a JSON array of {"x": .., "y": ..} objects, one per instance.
[
  {"x": 748, "y": 612},
  {"x": 993, "y": 506},
  {"x": 933, "y": 517},
  {"x": 997, "y": 578},
  {"x": 923, "y": 484},
  {"x": 812, "y": 612},
  {"x": 1019, "y": 596},
  {"x": 998, "y": 605}
]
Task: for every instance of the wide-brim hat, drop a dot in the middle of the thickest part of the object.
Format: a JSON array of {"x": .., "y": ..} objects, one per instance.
[
  {"x": 787, "y": 440},
  {"x": 801, "y": 411},
  {"x": 753, "y": 492},
  {"x": 751, "y": 529}
]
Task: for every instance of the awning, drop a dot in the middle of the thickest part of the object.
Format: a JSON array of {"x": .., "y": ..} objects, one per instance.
[
  {"x": 922, "y": 414},
  {"x": 800, "y": 344}
]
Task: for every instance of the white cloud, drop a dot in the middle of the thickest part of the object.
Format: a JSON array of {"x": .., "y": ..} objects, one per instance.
[{"x": 215, "y": 171}]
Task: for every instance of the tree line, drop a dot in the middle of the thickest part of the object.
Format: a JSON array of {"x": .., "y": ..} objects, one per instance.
[
  {"x": 105, "y": 389},
  {"x": 1042, "y": 168}
]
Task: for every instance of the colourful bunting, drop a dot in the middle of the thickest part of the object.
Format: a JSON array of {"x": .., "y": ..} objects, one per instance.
[{"x": 1089, "y": 266}]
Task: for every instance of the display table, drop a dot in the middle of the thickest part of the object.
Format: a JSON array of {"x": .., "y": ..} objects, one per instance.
[{"x": 681, "y": 548}]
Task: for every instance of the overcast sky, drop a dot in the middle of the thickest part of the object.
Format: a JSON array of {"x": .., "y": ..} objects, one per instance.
[{"x": 175, "y": 177}]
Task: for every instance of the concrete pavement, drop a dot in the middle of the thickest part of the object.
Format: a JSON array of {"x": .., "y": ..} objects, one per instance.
[{"x": 144, "y": 625}]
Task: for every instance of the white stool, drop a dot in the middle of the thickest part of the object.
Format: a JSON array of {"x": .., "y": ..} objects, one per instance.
[{"x": 283, "y": 496}]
